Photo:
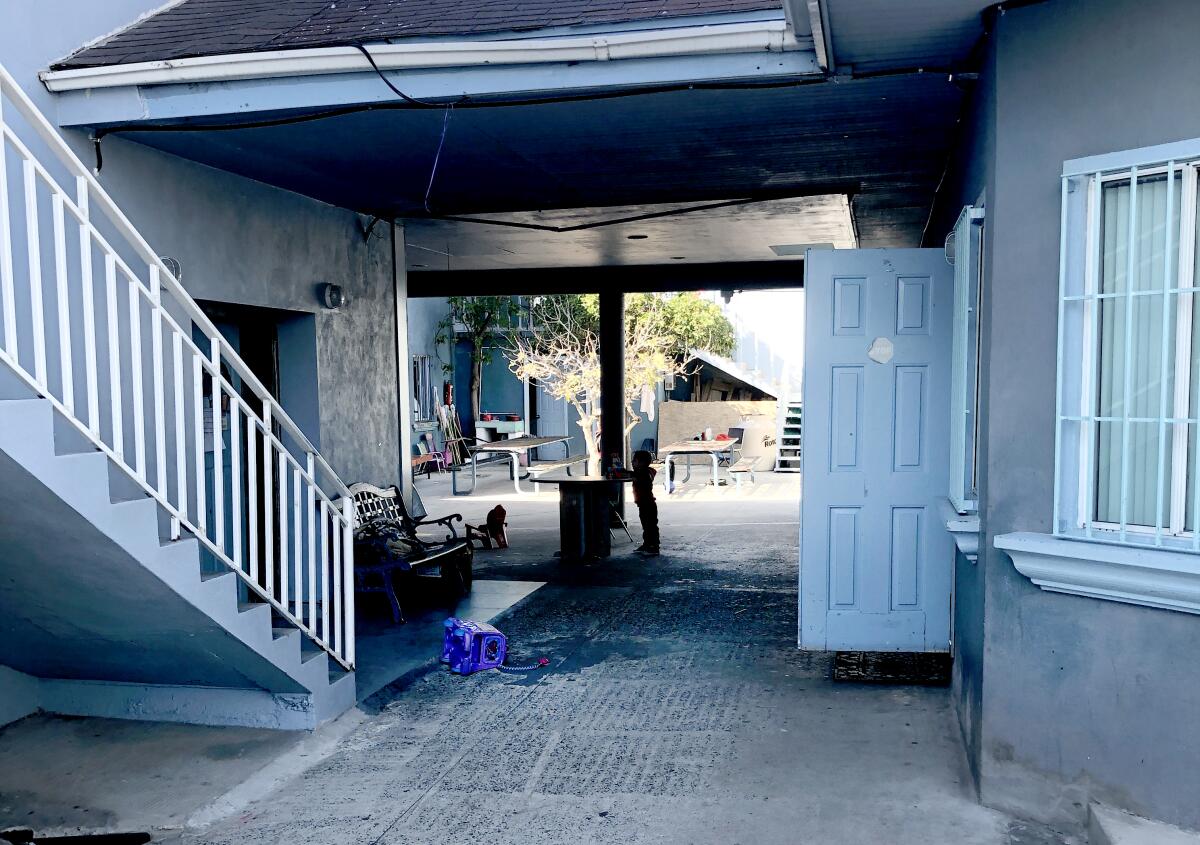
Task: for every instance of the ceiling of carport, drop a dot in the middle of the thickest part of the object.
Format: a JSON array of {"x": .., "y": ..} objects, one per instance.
[{"x": 883, "y": 142}]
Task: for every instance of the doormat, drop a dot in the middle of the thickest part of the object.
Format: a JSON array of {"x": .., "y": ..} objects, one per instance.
[{"x": 892, "y": 667}]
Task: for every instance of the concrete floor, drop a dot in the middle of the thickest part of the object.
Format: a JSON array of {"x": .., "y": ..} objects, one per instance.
[{"x": 676, "y": 709}]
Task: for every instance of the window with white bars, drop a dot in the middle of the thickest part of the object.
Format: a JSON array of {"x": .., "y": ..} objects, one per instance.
[
  {"x": 424, "y": 391},
  {"x": 1129, "y": 351}
]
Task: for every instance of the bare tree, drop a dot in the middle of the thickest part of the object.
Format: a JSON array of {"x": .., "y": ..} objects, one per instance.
[{"x": 563, "y": 357}]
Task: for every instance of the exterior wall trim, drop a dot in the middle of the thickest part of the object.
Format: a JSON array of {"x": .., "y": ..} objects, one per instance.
[
  {"x": 1151, "y": 577},
  {"x": 964, "y": 528},
  {"x": 1125, "y": 159}
]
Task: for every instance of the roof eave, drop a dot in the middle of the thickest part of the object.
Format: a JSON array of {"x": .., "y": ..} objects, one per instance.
[{"x": 773, "y": 36}]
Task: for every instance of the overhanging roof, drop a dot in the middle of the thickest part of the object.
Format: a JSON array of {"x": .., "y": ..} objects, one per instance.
[
  {"x": 696, "y": 107},
  {"x": 215, "y": 27}
]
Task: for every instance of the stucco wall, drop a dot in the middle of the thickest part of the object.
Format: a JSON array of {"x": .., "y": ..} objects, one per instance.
[
  {"x": 1082, "y": 699},
  {"x": 970, "y": 173},
  {"x": 241, "y": 241},
  {"x": 19, "y": 695}
]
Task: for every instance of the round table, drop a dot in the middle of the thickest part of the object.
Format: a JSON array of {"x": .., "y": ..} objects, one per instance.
[{"x": 584, "y": 510}]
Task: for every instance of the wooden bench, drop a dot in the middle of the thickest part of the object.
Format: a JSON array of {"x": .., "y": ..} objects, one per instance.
[
  {"x": 386, "y": 541},
  {"x": 740, "y": 467},
  {"x": 539, "y": 469}
]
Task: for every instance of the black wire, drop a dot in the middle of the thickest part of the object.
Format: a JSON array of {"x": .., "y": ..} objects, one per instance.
[
  {"x": 405, "y": 97},
  {"x": 466, "y": 102},
  {"x": 437, "y": 157}
]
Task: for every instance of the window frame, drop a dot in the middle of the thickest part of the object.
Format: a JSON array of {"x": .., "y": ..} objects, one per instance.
[
  {"x": 1076, "y": 469},
  {"x": 424, "y": 393},
  {"x": 964, "y": 401}
]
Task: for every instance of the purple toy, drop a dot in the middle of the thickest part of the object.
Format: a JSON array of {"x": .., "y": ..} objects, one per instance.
[{"x": 471, "y": 646}]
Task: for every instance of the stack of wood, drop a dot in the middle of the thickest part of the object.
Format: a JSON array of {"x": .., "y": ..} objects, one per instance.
[{"x": 452, "y": 434}]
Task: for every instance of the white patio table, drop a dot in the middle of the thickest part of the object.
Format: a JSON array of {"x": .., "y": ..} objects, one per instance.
[
  {"x": 712, "y": 448},
  {"x": 513, "y": 448}
]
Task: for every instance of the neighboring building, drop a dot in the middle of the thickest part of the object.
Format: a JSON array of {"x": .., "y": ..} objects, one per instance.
[{"x": 1021, "y": 424}]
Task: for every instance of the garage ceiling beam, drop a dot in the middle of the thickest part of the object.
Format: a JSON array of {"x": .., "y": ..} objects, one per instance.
[{"x": 646, "y": 278}]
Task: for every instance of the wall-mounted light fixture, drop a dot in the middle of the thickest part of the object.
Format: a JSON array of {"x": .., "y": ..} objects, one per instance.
[
  {"x": 173, "y": 267},
  {"x": 334, "y": 296}
]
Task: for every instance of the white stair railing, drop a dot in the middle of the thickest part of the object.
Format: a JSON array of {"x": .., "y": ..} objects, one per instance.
[{"x": 131, "y": 361}]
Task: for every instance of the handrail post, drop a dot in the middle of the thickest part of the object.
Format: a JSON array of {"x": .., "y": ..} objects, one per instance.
[
  {"x": 348, "y": 574},
  {"x": 217, "y": 399}
]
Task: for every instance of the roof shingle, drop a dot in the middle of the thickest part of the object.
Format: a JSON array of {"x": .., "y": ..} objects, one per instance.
[{"x": 216, "y": 27}]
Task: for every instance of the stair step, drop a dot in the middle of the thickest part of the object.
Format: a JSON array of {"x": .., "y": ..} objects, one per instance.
[
  {"x": 1107, "y": 826},
  {"x": 68, "y": 440},
  {"x": 279, "y": 632}
]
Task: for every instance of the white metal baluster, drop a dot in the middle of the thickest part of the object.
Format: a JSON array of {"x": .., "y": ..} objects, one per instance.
[
  {"x": 8, "y": 297},
  {"x": 298, "y": 584},
  {"x": 1056, "y": 514},
  {"x": 1127, "y": 397},
  {"x": 88, "y": 305},
  {"x": 181, "y": 486},
  {"x": 157, "y": 374},
  {"x": 137, "y": 383},
  {"x": 66, "y": 364},
  {"x": 339, "y": 613},
  {"x": 33, "y": 241},
  {"x": 348, "y": 579},
  {"x": 268, "y": 496},
  {"x": 325, "y": 571},
  {"x": 198, "y": 423},
  {"x": 312, "y": 544},
  {"x": 285, "y": 573},
  {"x": 235, "y": 480},
  {"x": 1165, "y": 362},
  {"x": 1092, "y": 376},
  {"x": 217, "y": 397},
  {"x": 252, "y": 499},
  {"x": 114, "y": 355}
]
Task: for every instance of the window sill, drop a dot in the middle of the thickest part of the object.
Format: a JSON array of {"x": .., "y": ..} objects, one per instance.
[
  {"x": 1150, "y": 577},
  {"x": 964, "y": 528}
]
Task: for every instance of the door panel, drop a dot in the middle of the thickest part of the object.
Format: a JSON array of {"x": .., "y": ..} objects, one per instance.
[{"x": 875, "y": 561}]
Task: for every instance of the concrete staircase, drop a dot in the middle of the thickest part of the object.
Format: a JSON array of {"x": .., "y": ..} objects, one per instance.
[
  {"x": 172, "y": 545},
  {"x": 106, "y": 616}
]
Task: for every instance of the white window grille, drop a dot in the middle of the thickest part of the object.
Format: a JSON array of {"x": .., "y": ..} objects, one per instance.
[
  {"x": 1129, "y": 350},
  {"x": 965, "y": 248},
  {"x": 424, "y": 391}
]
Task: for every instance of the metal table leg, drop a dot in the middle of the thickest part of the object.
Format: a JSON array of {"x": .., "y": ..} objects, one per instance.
[
  {"x": 474, "y": 478},
  {"x": 516, "y": 471}
]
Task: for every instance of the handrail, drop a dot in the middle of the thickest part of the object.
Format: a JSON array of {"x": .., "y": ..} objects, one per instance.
[
  {"x": 126, "y": 229},
  {"x": 270, "y": 520}
]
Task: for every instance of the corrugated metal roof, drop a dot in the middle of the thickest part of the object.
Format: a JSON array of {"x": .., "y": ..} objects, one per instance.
[{"x": 217, "y": 27}]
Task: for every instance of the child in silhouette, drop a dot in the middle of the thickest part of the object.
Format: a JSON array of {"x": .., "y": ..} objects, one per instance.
[{"x": 643, "y": 496}]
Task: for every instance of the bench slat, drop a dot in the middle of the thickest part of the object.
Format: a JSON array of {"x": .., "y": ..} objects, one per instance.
[{"x": 553, "y": 465}]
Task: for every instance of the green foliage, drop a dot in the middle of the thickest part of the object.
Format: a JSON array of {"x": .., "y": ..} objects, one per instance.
[
  {"x": 685, "y": 320},
  {"x": 485, "y": 318},
  {"x": 690, "y": 322}
]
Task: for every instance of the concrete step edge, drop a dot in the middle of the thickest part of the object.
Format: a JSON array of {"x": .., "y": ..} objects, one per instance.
[{"x": 1110, "y": 826}]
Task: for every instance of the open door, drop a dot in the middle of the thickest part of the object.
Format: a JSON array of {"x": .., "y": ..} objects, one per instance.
[{"x": 875, "y": 561}]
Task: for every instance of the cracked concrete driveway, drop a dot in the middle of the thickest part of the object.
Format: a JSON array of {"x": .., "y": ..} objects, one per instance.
[{"x": 676, "y": 709}]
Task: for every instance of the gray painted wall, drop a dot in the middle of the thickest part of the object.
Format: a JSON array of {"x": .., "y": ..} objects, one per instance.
[
  {"x": 241, "y": 241},
  {"x": 19, "y": 695},
  {"x": 1082, "y": 699},
  {"x": 970, "y": 173}
]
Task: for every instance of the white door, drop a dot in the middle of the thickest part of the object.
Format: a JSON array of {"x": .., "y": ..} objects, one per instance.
[
  {"x": 551, "y": 421},
  {"x": 875, "y": 562}
]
